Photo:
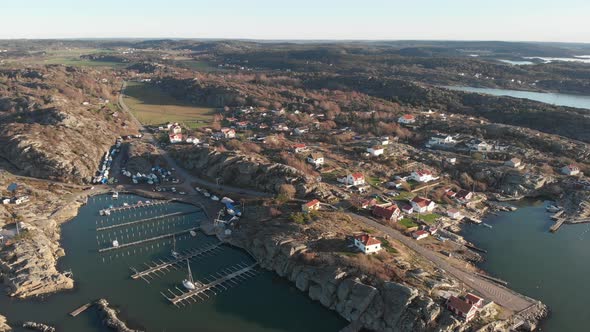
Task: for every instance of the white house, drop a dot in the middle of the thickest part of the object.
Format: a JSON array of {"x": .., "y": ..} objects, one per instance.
[
  {"x": 570, "y": 170},
  {"x": 422, "y": 205},
  {"x": 175, "y": 138},
  {"x": 175, "y": 129},
  {"x": 367, "y": 244},
  {"x": 441, "y": 139},
  {"x": 479, "y": 145},
  {"x": 454, "y": 214},
  {"x": 462, "y": 308},
  {"x": 354, "y": 179},
  {"x": 228, "y": 132},
  {"x": 375, "y": 151},
  {"x": 193, "y": 140},
  {"x": 300, "y": 147},
  {"x": 419, "y": 235},
  {"x": 315, "y": 158},
  {"x": 310, "y": 206},
  {"x": 422, "y": 176},
  {"x": 384, "y": 140},
  {"x": 514, "y": 163},
  {"x": 300, "y": 131},
  {"x": 406, "y": 119}
]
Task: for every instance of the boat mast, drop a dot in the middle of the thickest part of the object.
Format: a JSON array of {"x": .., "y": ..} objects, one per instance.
[{"x": 190, "y": 275}]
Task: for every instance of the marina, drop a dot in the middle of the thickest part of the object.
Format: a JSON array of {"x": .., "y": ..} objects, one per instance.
[{"x": 245, "y": 303}]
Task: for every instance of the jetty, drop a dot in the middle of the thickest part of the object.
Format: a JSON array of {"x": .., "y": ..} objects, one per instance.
[
  {"x": 138, "y": 205},
  {"x": 81, "y": 309},
  {"x": 557, "y": 224},
  {"x": 104, "y": 228},
  {"x": 161, "y": 267},
  {"x": 134, "y": 243},
  {"x": 212, "y": 285}
]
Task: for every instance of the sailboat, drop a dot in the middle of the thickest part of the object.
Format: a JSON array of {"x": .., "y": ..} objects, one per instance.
[
  {"x": 189, "y": 283},
  {"x": 115, "y": 195},
  {"x": 174, "y": 253}
]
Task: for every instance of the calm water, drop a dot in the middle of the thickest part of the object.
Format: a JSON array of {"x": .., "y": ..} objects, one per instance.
[
  {"x": 262, "y": 303},
  {"x": 559, "y": 99},
  {"x": 516, "y": 63},
  {"x": 553, "y": 268}
]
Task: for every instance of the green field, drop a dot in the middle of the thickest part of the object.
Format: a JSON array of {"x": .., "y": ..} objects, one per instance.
[
  {"x": 152, "y": 106},
  {"x": 429, "y": 218},
  {"x": 407, "y": 223}
]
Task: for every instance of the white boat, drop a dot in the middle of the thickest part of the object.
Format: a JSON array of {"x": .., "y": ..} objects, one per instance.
[
  {"x": 189, "y": 283},
  {"x": 125, "y": 204},
  {"x": 115, "y": 195},
  {"x": 174, "y": 253},
  {"x": 115, "y": 243},
  {"x": 107, "y": 212},
  {"x": 486, "y": 225},
  {"x": 553, "y": 208},
  {"x": 215, "y": 198},
  {"x": 193, "y": 233}
]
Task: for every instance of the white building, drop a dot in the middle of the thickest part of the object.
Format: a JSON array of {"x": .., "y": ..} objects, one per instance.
[
  {"x": 422, "y": 205},
  {"x": 419, "y": 235},
  {"x": 315, "y": 158},
  {"x": 406, "y": 119},
  {"x": 442, "y": 140},
  {"x": 175, "y": 138},
  {"x": 422, "y": 176},
  {"x": 570, "y": 170},
  {"x": 375, "y": 150},
  {"x": 454, "y": 214},
  {"x": 227, "y": 133},
  {"x": 354, "y": 179},
  {"x": 514, "y": 163},
  {"x": 479, "y": 145},
  {"x": 367, "y": 244}
]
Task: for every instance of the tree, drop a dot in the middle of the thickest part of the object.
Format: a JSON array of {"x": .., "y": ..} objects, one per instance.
[{"x": 287, "y": 191}]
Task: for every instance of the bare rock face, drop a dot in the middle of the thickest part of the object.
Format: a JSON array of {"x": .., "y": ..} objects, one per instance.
[
  {"x": 4, "y": 325},
  {"x": 111, "y": 319},
  {"x": 243, "y": 170},
  {"x": 386, "y": 306}
]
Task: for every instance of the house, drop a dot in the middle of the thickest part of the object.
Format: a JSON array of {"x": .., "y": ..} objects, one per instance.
[
  {"x": 441, "y": 139},
  {"x": 514, "y": 163},
  {"x": 375, "y": 151},
  {"x": 300, "y": 147},
  {"x": 20, "y": 200},
  {"x": 384, "y": 140},
  {"x": 227, "y": 132},
  {"x": 422, "y": 176},
  {"x": 570, "y": 170},
  {"x": 391, "y": 212},
  {"x": 461, "y": 308},
  {"x": 409, "y": 209},
  {"x": 479, "y": 145},
  {"x": 367, "y": 203},
  {"x": 300, "y": 131},
  {"x": 354, "y": 179},
  {"x": 175, "y": 129},
  {"x": 452, "y": 160},
  {"x": 367, "y": 244},
  {"x": 280, "y": 127},
  {"x": 310, "y": 206},
  {"x": 315, "y": 158},
  {"x": 175, "y": 138},
  {"x": 5, "y": 201},
  {"x": 407, "y": 119},
  {"x": 421, "y": 204},
  {"x": 243, "y": 125},
  {"x": 419, "y": 235},
  {"x": 464, "y": 196},
  {"x": 454, "y": 214},
  {"x": 474, "y": 300},
  {"x": 193, "y": 140}
]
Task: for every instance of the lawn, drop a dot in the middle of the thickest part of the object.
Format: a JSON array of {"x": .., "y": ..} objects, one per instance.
[
  {"x": 153, "y": 106},
  {"x": 429, "y": 218},
  {"x": 407, "y": 223},
  {"x": 404, "y": 196}
]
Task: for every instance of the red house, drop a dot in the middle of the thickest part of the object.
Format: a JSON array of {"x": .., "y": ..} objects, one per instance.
[
  {"x": 461, "y": 308},
  {"x": 312, "y": 205},
  {"x": 391, "y": 212}
]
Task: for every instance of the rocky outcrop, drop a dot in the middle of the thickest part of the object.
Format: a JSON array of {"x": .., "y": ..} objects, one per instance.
[
  {"x": 242, "y": 170},
  {"x": 38, "y": 327},
  {"x": 110, "y": 317},
  {"x": 4, "y": 325},
  {"x": 379, "y": 306}
]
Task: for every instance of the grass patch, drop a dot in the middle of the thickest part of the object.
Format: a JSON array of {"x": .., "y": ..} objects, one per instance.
[
  {"x": 404, "y": 196},
  {"x": 407, "y": 223},
  {"x": 387, "y": 246},
  {"x": 373, "y": 181},
  {"x": 153, "y": 106},
  {"x": 429, "y": 218}
]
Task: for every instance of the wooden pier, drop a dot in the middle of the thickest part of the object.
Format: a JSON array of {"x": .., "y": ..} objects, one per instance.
[
  {"x": 125, "y": 245},
  {"x": 161, "y": 267},
  {"x": 81, "y": 309},
  {"x": 557, "y": 224},
  {"x": 218, "y": 283},
  {"x": 136, "y": 206},
  {"x": 175, "y": 214}
]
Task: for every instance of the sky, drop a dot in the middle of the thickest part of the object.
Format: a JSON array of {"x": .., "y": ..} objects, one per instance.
[{"x": 511, "y": 20}]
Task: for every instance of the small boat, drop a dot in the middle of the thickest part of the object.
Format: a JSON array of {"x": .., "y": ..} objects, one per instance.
[
  {"x": 107, "y": 212},
  {"x": 193, "y": 233},
  {"x": 115, "y": 243},
  {"x": 174, "y": 253},
  {"x": 189, "y": 283},
  {"x": 486, "y": 225},
  {"x": 553, "y": 208},
  {"x": 125, "y": 204},
  {"x": 115, "y": 195},
  {"x": 214, "y": 198}
]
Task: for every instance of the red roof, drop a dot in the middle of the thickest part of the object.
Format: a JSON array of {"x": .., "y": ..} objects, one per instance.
[
  {"x": 421, "y": 202},
  {"x": 424, "y": 172},
  {"x": 472, "y": 298},
  {"x": 299, "y": 146},
  {"x": 175, "y": 136},
  {"x": 408, "y": 117},
  {"x": 460, "y": 305},
  {"x": 367, "y": 240},
  {"x": 358, "y": 176},
  {"x": 312, "y": 203},
  {"x": 385, "y": 212}
]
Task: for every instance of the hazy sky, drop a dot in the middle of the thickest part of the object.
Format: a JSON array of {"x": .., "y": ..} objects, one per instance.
[{"x": 538, "y": 20}]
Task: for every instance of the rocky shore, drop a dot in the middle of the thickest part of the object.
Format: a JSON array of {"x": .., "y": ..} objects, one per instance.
[
  {"x": 110, "y": 318},
  {"x": 4, "y": 324}
]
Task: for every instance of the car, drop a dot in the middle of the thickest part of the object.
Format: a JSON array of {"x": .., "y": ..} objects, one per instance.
[
  {"x": 182, "y": 193},
  {"x": 214, "y": 198},
  {"x": 173, "y": 189},
  {"x": 198, "y": 189},
  {"x": 206, "y": 194}
]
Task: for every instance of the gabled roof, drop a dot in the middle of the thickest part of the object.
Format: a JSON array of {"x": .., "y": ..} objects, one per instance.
[
  {"x": 385, "y": 212},
  {"x": 460, "y": 305},
  {"x": 423, "y": 172},
  {"x": 421, "y": 201},
  {"x": 316, "y": 155},
  {"x": 473, "y": 298},
  {"x": 357, "y": 176},
  {"x": 312, "y": 203},
  {"x": 408, "y": 116},
  {"x": 463, "y": 193},
  {"x": 299, "y": 146},
  {"x": 367, "y": 240}
]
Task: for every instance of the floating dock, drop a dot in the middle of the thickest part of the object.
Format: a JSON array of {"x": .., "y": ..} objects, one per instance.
[
  {"x": 136, "y": 206},
  {"x": 557, "y": 224},
  {"x": 125, "y": 245},
  {"x": 218, "y": 283},
  {"x": 175, "y": 214},
  {"x": 81, "y": 309},
  {"x": 161, "y": 267}
]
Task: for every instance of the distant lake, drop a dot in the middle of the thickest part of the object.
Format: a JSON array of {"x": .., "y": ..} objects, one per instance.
[
  {"x": 558, "y": 99},
  {"x": 516, "y": 63}
]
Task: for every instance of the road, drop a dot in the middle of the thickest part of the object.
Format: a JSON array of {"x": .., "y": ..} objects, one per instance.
[
  {"x": 188, "y": 179},
  {"x": 488, "y": 289}
]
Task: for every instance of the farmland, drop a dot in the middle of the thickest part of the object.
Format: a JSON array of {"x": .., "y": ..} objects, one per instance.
[{"x": 152, "y": 106}]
